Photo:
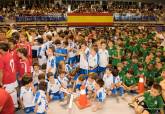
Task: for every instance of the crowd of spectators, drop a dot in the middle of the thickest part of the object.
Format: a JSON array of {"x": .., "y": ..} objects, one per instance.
[{"x": 122, "y": 11}]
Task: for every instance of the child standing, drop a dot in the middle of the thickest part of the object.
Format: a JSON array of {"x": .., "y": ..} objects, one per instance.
[
  {"x": 103, "y": 57},
  {"x": 25, "y": 67},
  {"x": 51, "y": 62},
  {"x": 26, "y": 95},
  {"x": 100, "y": 94}
]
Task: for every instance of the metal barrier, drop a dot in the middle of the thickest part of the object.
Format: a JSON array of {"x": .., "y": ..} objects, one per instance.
[
  {"x": 40, "y": 18},
  {"x": 134, "y": 18}
]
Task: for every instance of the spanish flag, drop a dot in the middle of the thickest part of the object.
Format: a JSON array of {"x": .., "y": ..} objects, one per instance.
[{"x": 90, "y": 19}]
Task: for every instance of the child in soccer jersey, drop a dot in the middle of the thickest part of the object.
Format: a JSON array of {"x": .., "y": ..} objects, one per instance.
[
  {"x": 90, "y": 85},
  {"x": 79, "y": 82},
  {"x": 40, "y": 99},
  {"x": 108, "y": 81},
  {"x": 100, "y": 94},
  {"x": 23, "y": 43},
  {"x": 53, "y": 89},
  {"x": 62, "y": 78},
  {"x": 129, "y": 82},
  {"x": 36, "y": 72},
  {"x": 24, "y": 64},
  {"x": 93, "y": 60},
  {"x": 27, "y": 95},
  {"x": 51, "y": 62},
  {"x": 103, "y": 58},
  {"x": 152, "y": 102},
  {"x": 117, "y": 83},
  {"x": 42, "y": 51},
  {"x": 60, "y": 52}
]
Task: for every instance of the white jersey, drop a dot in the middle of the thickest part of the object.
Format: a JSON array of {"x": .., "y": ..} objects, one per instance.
[
  {"x": 103, "y": 58},
  {"x": 27, "y": 96},
  {"x": 93, "y": 60},
  {"x": 35, "y": 76},
  {"x": 108, "y": 80},
  {"x": 51, "y": 64},
  {"x": 117, "y": 79},
  {"x": 41, "y": 100},
  {"x": 101, "y": 94},
  {"x": 55, "y": 87},
  {"x": 90, "y": 85},
  {"x": 83, "y": 59},
  {"x": 63, "y": 81}
]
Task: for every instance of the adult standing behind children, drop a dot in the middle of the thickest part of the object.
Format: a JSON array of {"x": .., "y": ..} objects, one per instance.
[
  {"x": 7, "y": 72},
  {"x": 6, "y": 103}
]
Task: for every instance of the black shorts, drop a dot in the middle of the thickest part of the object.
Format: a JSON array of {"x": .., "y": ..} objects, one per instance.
[{"x": 142, "y": 103}]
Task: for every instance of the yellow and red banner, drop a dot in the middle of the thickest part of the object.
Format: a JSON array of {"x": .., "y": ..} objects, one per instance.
[{"x": 90, "y": 19}]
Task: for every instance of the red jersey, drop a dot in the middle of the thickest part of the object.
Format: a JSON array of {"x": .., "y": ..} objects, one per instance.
[
  {"x": 24, "y": 68},
  {"x": 27, "y": 46},
  {"x": 6, "y": 102},
  {"x": 8, "y": 68},
  {"x": 16, "y": 58}
]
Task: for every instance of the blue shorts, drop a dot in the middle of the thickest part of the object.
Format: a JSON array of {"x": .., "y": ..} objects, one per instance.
[
  {"x": 29, "y": 110},
  {"x": 81, "y": 71},
  {"x": 101, "y": 69},
  {"x": 100, "y": 100},
  {"x": 96, "y": 70},
  {"x": 57, "y": 96},
  {"x": 41, "y": 113},
  {"x": 72, "y": 60},
  {"x": 116, "y": 90}
]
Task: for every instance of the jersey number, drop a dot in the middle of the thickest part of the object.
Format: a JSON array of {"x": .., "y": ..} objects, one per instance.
[{"x": 12, "y": 65}]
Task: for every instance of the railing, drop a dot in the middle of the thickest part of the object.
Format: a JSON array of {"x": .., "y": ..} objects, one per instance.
[
  {"x": 40, "y": 18},
  {"x": 135, "y": 18}
]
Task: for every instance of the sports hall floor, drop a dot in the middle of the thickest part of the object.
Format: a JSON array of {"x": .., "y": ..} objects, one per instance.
[{"x": 111, "y": 106}]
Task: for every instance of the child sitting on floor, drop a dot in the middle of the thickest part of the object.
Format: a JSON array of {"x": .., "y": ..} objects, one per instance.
[
  {"x": 152, "y": 102},
  {"x": 53, "y": 90},
  {"x": 100, "y": 94},
  {"x": 26, "y": 95}
]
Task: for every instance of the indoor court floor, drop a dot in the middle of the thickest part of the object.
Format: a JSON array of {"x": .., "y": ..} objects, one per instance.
[{"x": 111, "y": 106}]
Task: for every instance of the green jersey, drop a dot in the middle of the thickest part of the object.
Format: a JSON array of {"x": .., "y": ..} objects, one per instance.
[
  {"x": 153, "y": 103},
  {"x": 129, "y": 81}
]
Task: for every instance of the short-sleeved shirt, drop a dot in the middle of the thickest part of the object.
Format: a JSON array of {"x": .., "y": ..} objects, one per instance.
[
  {"x": 41, "y": 100},
  {"x": 8, "y": 68},
  {"x": 51, "y": 63},
  {"x": 101, "y": 95},
  {"x": 129, "y": 81},
  {"x": 60, "y": 51},
  {"x": 103, "y": 58},
  {"x": 153, "y": 103},
  {"x": 27, "y": 96},
  {"x": 108, "y": 80},
  {"x": 63, "y": 81},
  {"x": 6, "y": 102},
  {"x": 25, "y": 67},
  {"x": 53, "y": 88}
]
